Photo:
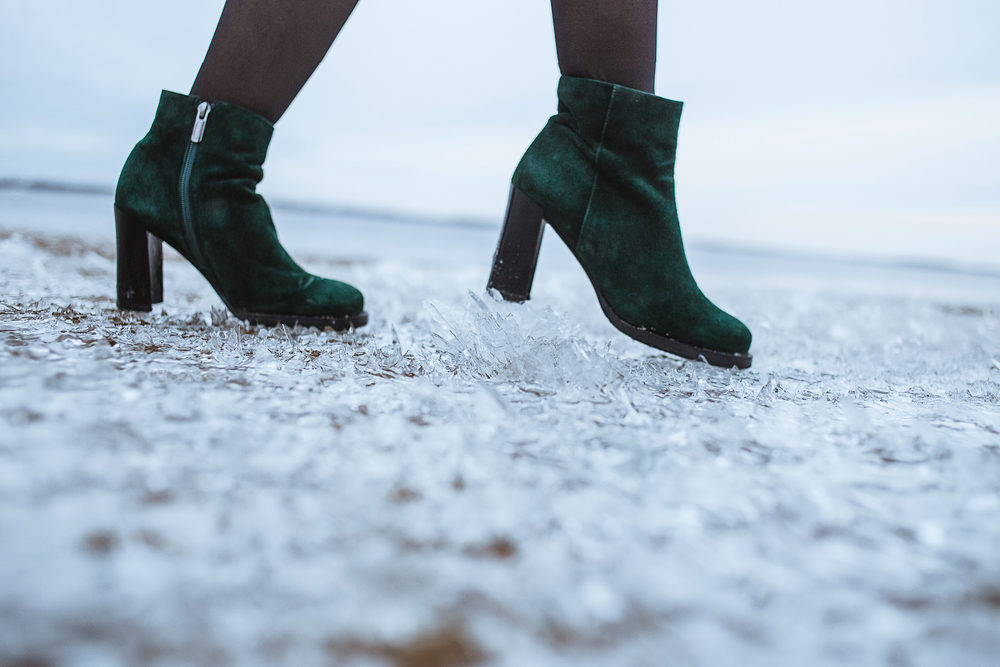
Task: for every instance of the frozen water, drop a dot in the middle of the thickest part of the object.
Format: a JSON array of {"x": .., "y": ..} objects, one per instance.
[{"x": 468, "y": 481}]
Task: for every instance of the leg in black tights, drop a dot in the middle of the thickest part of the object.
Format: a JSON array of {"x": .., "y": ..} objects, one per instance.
[
  {"x": 607, "y": 40},
  {"x": 264, "y": 51}
]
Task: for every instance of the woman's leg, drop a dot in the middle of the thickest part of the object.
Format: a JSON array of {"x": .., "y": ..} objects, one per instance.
[
  {"x": 264, "y": 51},
  {"x": 607, "y": 40}
]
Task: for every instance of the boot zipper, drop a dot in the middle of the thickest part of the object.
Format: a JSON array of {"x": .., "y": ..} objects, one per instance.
[
  {"x": 197, "y": 133},
  {"x": 200, "y": 120}
]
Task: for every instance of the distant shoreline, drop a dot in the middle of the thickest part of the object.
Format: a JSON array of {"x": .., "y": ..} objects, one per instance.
[{"x": 326, "y": 210}]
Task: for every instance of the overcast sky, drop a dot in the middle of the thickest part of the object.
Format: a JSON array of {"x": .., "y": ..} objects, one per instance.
[{"x": 857, "y": 126}]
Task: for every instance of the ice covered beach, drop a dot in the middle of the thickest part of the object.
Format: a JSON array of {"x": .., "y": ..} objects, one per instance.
[{"x": 469, "y": 482}]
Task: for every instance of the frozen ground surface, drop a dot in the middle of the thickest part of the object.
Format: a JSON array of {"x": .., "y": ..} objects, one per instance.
[{"x": 469, "y": 482}]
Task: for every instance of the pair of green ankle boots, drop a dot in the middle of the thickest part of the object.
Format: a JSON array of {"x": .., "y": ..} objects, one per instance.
[{"x": 601, "y": 173}]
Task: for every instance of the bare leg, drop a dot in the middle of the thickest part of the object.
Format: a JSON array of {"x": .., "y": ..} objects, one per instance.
[
  {"x": 263, "y": 51},
  {"x": 607, "y": 40}
]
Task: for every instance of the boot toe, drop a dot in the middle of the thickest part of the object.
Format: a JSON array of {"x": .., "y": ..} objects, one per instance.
[
  {"x": 721, "y": 332},
  {"x": 738, "y": 337},
  {"x": 332, "y": 297}
]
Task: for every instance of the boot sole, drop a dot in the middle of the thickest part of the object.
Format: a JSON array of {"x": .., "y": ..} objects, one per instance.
[
  {"x": 139, "y": 260},
  {"x": 513, "y": 272},
  {"x": 667, "y": 344}
]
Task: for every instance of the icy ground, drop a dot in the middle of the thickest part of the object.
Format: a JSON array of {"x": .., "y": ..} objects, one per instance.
[{"x": 470, "y": 482}]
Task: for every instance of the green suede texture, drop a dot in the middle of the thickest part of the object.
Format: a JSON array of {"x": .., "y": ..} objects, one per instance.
[
  {"x": 234, "y": 243},
  {"x": 602, "y": 170}
]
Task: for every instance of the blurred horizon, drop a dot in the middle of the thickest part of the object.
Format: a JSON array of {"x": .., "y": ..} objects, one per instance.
[{"x": 856, "y": 129}]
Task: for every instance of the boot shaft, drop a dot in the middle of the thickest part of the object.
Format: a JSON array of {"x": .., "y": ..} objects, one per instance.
[
  {"x": 604, "y": 135},
  {"x": 173, "y": 163},
  {"x": 235, "y": 142},
  {"x": 627, "y": 130}
]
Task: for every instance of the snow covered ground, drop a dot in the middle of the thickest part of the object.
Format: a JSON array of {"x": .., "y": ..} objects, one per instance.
[{"x": 466, "y": 481}]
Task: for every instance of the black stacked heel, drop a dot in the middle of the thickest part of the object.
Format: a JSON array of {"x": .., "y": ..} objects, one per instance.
[
  {"x": 139, "y": 259},
  {"x": 517, "y": 250}
]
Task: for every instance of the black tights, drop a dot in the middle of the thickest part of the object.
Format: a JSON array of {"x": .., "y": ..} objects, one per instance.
[{"x": 251, "y": 60}]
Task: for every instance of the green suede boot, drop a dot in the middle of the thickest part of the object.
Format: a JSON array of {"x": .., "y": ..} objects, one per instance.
[
  {"x": 601, "y": 173},
  {"x": 191, "y": 181}
]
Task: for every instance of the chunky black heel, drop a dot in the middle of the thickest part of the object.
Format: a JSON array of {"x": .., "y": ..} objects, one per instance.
[
  {"x": 517, "y": 250},
  {"x": 140, "y": 264}
]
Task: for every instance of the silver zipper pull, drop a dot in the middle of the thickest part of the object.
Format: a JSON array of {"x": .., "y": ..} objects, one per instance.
[{"x": 199, "y": 122}]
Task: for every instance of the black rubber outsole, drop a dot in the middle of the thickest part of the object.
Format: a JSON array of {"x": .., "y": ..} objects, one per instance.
[
  {"x": 659, "y": 341},
  {"x": 667, "y": 344},
  {"x": 335, "y": 323}
]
